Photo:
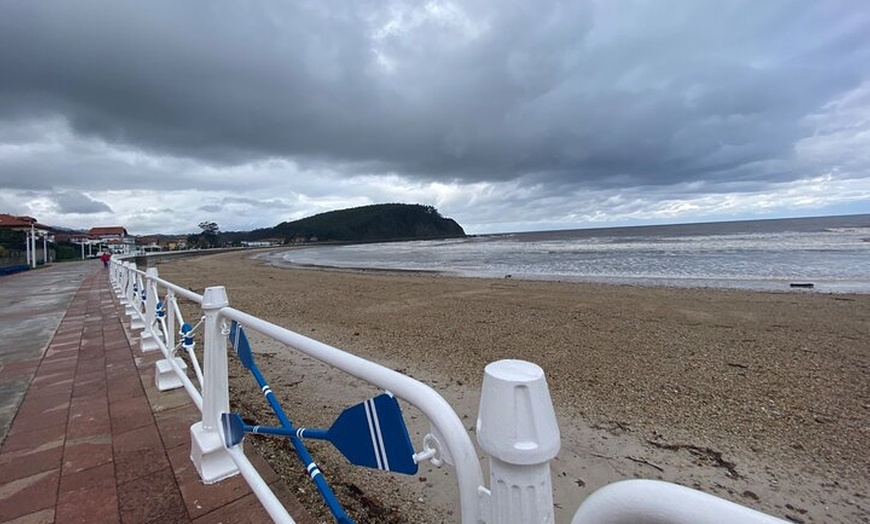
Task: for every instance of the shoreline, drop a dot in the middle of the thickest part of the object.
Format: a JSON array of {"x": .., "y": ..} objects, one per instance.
[
  {"x": 771, "y": 385},
  {"x": 762, "y": 285}
]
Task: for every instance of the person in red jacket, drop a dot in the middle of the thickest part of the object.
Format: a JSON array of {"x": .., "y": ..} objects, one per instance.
[{"x": 105, "y": 258}]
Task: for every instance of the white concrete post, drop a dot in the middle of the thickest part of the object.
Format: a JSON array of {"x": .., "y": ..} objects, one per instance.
[
  {"x": 117, "y": 279},
  {"x": 207, "y": 448},
  {"x": 131, "y": 278},
  {"x": 32, "y": 247},
  {"x": 130, "y": 267},
  {"x": 216, "y": 398},
  {"x": 127, "y": 289},
  {"x": 137, "y": 318},
  {"x": 516, "y": 427},
  {"x": 122, "y": 282},
  {"x": 45, "y": 249},
  {"x": 169, "y": 306},
  {"x": 150, "y": 296},
  {"x": 115, "y": 274},
  {"x": 140, "y": 293},
  {"x": 147, "y": 340},
  {"x": 165, "y": 376}
]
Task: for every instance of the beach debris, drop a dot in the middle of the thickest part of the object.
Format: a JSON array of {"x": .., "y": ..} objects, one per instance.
[
  {"x": 645, "y": 462},
  {"x": 751, "y": 495},
  {"x": 802, "y": 284},
  {"x": 703, "y": 454}
]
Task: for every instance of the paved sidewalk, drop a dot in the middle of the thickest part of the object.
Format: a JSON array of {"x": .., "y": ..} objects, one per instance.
[
  {"x": 93, "y": 440},
  {"x": 32, "y": 305}
]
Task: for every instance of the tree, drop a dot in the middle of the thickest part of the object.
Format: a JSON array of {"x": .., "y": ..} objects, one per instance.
[
  {"x": 210, "y": 236},
  {"x": 66, "y": 251},
  {"x": 192, "y": 241}
]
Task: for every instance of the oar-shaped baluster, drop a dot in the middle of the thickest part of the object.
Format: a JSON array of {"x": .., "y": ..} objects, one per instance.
[
  {"x": 371, "y": 434},
  {"x": 240, "y": 342}
]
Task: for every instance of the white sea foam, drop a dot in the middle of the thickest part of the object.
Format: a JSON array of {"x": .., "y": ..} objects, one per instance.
[{"x": 749, "y": 255}]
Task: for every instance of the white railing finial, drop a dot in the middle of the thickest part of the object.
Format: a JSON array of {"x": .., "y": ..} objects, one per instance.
[{"x": 516, "y": 427}]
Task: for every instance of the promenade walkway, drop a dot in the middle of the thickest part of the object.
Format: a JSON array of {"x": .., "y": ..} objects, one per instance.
[{"x": 86, "y": 436}]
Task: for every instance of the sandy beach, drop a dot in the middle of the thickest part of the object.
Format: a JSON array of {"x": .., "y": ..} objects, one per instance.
[{"x": 760, "y": 398}]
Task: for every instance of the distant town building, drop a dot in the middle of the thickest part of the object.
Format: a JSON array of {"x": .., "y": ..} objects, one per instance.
[
  {"x": 26, "y": 224},
  {"x": 16, "y": 223},
  {"x": 23, "y": 243},
  {"x": 148, "y": 244},
  {"x": 115, "y": 238},
  {"x": 174, "y": 244},
  {"x": 259, "y": 243}
]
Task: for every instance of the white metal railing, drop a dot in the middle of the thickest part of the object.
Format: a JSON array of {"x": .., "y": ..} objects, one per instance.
[
  {"x": 213, "y": 461},
  {"x": 516, "y": 425}
]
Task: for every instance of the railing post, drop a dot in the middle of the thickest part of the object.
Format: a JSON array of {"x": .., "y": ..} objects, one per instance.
[
  {"x": 129, "y": 279},
  {"x": 32, "y": 246},
  {"x": 126, "y": 289},
  {"x": 137, "y": 319},
  {"x": 165, "y": 377},
  {"x": 207, "y": 448},
  {"x": 113, "y": 276},
  {"x": 121, "y": 281},
  {"x": 169, "y": 306},
  {"x": 147, "y": 340},
  {"x": 516, "y": 427}
]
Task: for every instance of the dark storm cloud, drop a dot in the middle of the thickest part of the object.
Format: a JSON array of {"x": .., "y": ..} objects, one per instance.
[
  {"x": 74, "y": 202},
  {"x": 597, "y": 94}
]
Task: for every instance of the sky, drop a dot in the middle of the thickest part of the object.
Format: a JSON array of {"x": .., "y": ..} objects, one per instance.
[{"x": 506, "y": 115}]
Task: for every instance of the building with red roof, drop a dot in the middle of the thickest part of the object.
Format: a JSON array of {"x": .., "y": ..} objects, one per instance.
[
  {"x": 23, "y": 242},
  {"x": 115, "y": 238},
  {"x": 21, "y": 223}
]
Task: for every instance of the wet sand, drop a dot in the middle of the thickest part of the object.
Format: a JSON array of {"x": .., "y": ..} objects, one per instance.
[{"x": 761, "y": 398}]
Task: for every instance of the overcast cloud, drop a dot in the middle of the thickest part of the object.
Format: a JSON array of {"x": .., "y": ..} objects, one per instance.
[{"x": 504, "y": 114}]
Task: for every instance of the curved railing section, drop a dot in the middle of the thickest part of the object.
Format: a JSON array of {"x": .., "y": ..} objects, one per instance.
[{"x": 516, "y": 426}]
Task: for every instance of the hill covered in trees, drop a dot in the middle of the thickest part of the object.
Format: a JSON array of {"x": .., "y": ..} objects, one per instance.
[{"x": 365, "y": 224}]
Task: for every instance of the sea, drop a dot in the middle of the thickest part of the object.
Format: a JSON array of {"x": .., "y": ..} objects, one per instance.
[{"x": 831, "y": 253}]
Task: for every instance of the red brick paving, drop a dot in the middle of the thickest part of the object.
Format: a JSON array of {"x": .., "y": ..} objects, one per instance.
[{"x": 95, "y": 441}]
